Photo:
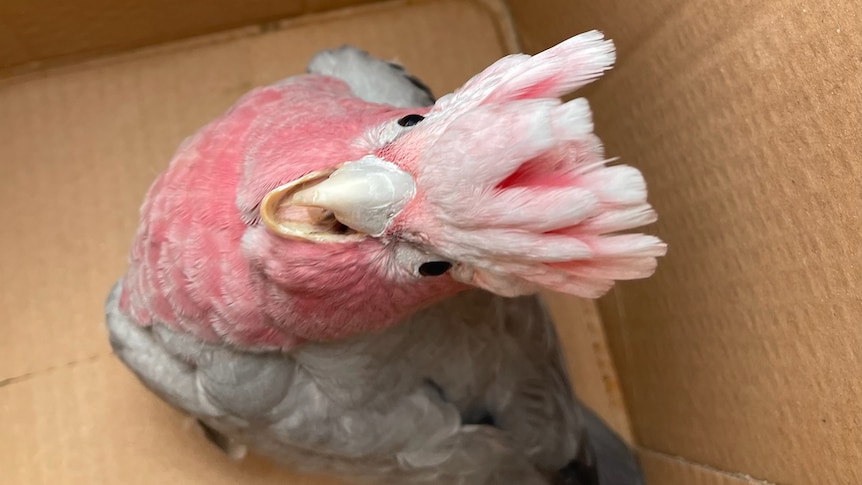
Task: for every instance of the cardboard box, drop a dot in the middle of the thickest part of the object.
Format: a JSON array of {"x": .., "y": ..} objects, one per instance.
[{"x": 738, "y": 363}]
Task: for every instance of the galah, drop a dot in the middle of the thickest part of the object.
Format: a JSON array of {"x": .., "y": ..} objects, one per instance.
[{"x": 343, "y": 274}]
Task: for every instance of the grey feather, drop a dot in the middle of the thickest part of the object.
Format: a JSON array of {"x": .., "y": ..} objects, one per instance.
[
  {"x": 397, "y": 406},
  {"x": 371, "y": 79}
]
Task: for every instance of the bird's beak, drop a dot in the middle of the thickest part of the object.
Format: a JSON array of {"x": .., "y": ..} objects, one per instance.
[{"x": 346, "y": 203}]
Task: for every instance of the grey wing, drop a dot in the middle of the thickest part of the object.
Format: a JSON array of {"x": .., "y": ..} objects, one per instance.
[
  {"x": 498, "y": 361},
  {"x": 603, "y": 455},
  {"x": 356, "y": 408},
  {"x": 372, "y": 79}
]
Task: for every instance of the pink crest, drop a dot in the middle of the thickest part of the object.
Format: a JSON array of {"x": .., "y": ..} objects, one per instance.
[{"x": 513, "y": 185}]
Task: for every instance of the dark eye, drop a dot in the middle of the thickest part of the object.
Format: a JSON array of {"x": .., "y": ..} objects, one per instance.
[
  {"x": 410, "y": 120},
  {"x": 434, "y": 268}
]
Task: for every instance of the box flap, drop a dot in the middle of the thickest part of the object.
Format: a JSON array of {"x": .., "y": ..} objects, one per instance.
[
  {"x": 742, "y": 352},
  {"x": 667, "y": 470}
]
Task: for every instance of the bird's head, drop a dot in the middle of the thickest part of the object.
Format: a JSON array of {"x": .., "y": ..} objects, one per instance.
[
  {"x": 305, "y": 212},
  {"x": 364, "y": 213}
]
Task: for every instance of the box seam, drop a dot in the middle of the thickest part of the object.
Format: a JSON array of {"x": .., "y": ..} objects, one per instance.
[
  {"x": 36, "y": 374},
  {"x": 682, "y": 461}
]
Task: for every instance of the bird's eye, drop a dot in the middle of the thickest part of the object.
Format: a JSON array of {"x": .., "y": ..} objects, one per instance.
[
  {"x": 434, "y": 268},
  {"x": 410, "y": 120}
]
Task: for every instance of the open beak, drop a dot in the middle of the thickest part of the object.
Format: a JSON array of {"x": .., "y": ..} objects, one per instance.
[{"x": 341, "y": 204}]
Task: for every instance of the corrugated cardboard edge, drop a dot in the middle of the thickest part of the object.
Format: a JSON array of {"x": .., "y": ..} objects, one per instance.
[{"x": 662, "y": 469}]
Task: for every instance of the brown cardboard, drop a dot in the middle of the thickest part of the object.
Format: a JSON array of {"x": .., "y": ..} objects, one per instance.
[
  {"x": 88, "y": 423},
  {"x": 47, "y": 31},
  {"x": 742, "y": 353},
  {"x": 589, "y": 361}
]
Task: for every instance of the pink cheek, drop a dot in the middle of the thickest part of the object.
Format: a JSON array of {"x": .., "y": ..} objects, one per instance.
[
  {"x": 430, "y": 289},
  {"x": 448, "y": 285}
]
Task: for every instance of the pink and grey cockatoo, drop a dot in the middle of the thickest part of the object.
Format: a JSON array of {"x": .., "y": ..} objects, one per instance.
[{"x": 342, "y": 274}]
